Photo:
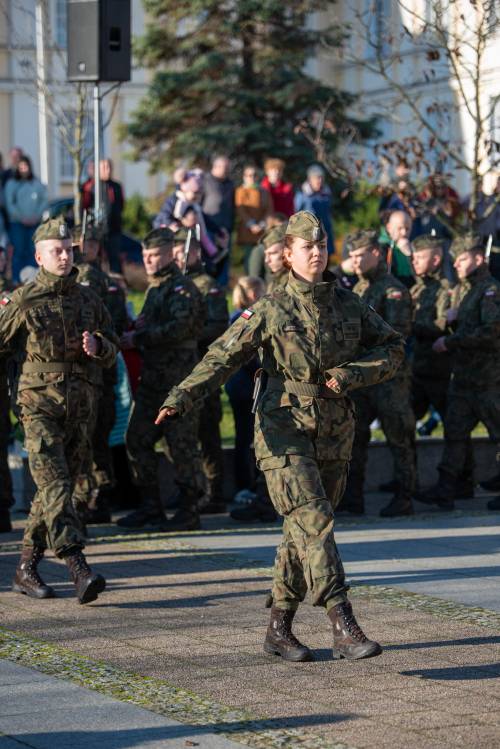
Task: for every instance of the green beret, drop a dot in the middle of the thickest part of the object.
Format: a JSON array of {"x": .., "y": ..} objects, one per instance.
[
  {"x": 181, "y": 236},
  {"x": 274, "y": 235},
  {"x": 466, "y": 243},
  {"x": 53, "y": 228},
  {"x": 361, "y": 238},
  {"x": 426, "y": 242},
  {"x": 305, "y": 225},
  {"x": 158, "y": 238}
]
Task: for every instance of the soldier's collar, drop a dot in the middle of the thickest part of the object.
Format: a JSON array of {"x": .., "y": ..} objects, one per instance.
[
  {"x": 59, "y": 284},
  {"x": 479, "y": 274},
  {"x": 169, "y": 270},
  {"x": 374, "y": 274},
  {"x": 317, "y": 291}
]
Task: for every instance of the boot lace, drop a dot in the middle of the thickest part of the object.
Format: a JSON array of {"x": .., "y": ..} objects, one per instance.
[
  {"x": 351, "y": 624},
  {"x": 285, "y": 630}
]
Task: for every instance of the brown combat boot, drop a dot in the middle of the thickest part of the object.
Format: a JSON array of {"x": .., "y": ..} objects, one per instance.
[
  {"x": 349, "y": 640},
  {"x": 88, "y": 585},
  {"x": 280, "y": 639},
  {"x": 27, "y": 580}
]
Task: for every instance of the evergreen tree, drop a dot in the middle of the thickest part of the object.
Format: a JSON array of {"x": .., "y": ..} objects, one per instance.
[{"x": 229, "y": 76}]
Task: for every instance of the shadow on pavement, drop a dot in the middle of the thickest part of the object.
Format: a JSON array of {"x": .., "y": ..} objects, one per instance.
[{"x": 458, "y": 673}]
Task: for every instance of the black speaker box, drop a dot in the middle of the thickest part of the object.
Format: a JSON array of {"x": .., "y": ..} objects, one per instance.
[{"x": 99, "y": 40}]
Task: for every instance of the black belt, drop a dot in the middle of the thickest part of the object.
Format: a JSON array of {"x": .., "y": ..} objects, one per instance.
[
  {"x": 307, "y": 389},
  {"x": 57, "y": 367}
]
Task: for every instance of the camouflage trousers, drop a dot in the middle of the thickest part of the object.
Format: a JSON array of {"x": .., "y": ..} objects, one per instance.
[
  {"x": 427, "y": 392},
  {"x": 465, "y": 410},
  {"x": 389, "y": 402},
  {"x": 305, "y": 492},
  {"x": 6, "y": 496},
  {"x": 55, "y": 421},
  {"x": 181, "y": 442},
  {"x": 210, "y": 443},
  {"x": 97, "y": 467}
]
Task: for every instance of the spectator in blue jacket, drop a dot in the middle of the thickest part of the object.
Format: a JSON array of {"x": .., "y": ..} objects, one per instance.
[{"x": 316, "y": 196}]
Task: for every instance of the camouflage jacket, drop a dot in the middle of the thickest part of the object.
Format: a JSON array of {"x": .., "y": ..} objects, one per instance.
[
  {"x": 304, "y": 331},
  {"x": 5, "y": 286},
  {"x": 45, "y": 319},
  {"x": 278, "y": 279},
  {"x": 91, "y": 275},
  {"x": 474, "y": 343},
  {"x": 431, "y": 297},
  {"x": 174, "y": 316},
  {"x": 216, "y": 311},
  {"x": 390, "y": 299}
]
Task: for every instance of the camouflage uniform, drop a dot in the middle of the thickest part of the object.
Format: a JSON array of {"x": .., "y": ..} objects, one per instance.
[
  {"x": 173, "y": 320},
  {"x": 278, "y": 279},
  {"x": 430, "y": 371},
  {"x": 216, "y": 322},
  {"x": 474, "y": 345},
  {"x": 57, "y": 386},
  {"x": 388, "y": 401},
  {"x": 6, "y": 496},
  {"x": 307, "y": 333},
  {"x": 112, "y": 296}
]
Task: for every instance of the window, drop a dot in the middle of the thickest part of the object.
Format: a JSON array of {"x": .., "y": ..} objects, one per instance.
[
  {"x": 66, "y": 166},
  {"x": 60, "y": 21}
]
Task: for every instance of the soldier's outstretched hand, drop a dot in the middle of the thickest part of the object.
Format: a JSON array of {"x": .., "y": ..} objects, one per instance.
[
  {"x": 163, "y": 414},
  {"x": 90, "y": 344}
]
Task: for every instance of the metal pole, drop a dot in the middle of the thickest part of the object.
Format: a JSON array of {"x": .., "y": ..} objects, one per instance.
[
  {"x": 97, "y": 154},
  {"x": 41, "y": 83}
]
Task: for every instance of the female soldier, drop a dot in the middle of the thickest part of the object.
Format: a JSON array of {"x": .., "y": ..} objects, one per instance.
[{"x": 318, "y": 342}]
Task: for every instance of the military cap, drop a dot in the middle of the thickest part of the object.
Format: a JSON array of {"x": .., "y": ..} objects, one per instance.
[
  {"x": 53, "y": 228},
  {"x": 466, "y": 243},
  {"x": 361, "y": 238},
  {"x": 158, "y": 238},
  {"x": 426, "y": 242},
  {"x": 93, "y": 233},
  {"x": 274, "y": 235},
  {"x": 181, "y": 235},
  {"x": 305, "y": 225}
]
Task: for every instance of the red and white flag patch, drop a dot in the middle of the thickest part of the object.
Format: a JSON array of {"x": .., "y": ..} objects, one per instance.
[
  {"x": 395, "y": 294},
  {"x": 5, "y": 301},
  {"x": 490, "y": 292},
  {"x": 247, "y": 314},
  {"x": 179, "y": 288}
]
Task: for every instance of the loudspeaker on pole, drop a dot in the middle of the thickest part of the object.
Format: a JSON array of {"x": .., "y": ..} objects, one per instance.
[{"x": 99, "y": 46}]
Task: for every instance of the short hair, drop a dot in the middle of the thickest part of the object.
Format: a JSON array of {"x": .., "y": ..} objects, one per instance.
[{"x": 243, "y": 286}]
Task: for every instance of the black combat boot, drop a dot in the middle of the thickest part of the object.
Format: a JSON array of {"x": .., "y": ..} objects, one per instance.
[
  {"x": 88, "y": 584},
  {"x": 212, "y": 505},
  {"x": 27, "y": 580},
  {"x": 280, "y": 639},
  {"x": 494, "y": 504},
  {"x": 442, "y": 494},
  {"x": 259, "y": 510},
  {"x": 150, "y": 511},
  {"x": 354, "y": 505},
  {"x": 5, "y": 524},
  {"x": 399, "y": 505},
  {"x": 349, "y": 640},
  {"x": 491, "y": 485},
  {"x": 98, "y": 511},
  {"x": 465, "y": 489},
  {"x": 185, "y": 519},
  {"x": 389, "y": 487}
]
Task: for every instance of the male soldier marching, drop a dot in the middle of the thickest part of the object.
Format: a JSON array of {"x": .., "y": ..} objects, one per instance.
[
  {"x": 474, "y": 346},
  {"x": 318, "y": 343},
  {"x": 389, "y": 401},
  {"x": 216, "y": 321},
  {"x": 167, "y": 333},
  {"x": 431, "y": 372},
  {"x": 6, "y": 496},
  {"x": 99, "y": 469},
  {"x": 67, "y": 336}
]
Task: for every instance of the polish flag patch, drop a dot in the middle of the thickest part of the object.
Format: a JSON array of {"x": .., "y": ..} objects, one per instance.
[
  {"x": 179, "y": 288},
  {"x": 247, "y": 314},
  {"x": 5, "y": 301},
  {"x": 490, "y": 292}
]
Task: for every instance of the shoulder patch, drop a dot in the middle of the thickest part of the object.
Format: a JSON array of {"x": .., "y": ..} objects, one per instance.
[
  {"x": 490, "y": 292},
  {"x": 5, "y": 300},
  {"x": 247, "y": 314},
  {"x": 112, "y": 288},
  {"x": 394, "y": 294},
  {"x": 215, "y": 290},
  {"x": 84, "y": 283}
]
